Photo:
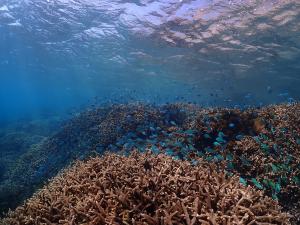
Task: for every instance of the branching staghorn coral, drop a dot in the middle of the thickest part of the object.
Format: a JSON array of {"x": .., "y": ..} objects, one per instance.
[
  {"x": 146, "y": 189},
  {"x": 261, "y": 145}
]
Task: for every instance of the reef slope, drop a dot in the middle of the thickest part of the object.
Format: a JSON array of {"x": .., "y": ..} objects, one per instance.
[{"x": 260, "y": 145}]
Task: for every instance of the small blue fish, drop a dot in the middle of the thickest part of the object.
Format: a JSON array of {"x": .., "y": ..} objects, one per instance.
[
  {"x": 178, "y": 144},
  {"x": 173, "y": 123},
  {"x": 243, "y": 181},
  {"x": 155, "y": 149},
  {"x": 231, "y": 125},
  {"x": 229, "y": 156},
  {"x": 131, "y": 136},
  {"x": 119, "y": 129},
  {"x": 153, "y": 136},
  {"x": 219, "y": 157},
  {"x": 207, "y": 136},
  {"x": 169, "y": 152},
  {"x": 151, "y": 141},
  {"x": 217, "y": 143},
  {"x": 113, "y": 147},
  {"x": 291, "y": 100},
  {"x": 165, "y": 133},
  {"x": 194, "y": 162},
  {"x": 220, "y": 140},
  {"x": 284, "y": 94},
  {"x": 239, "y": 137},
  {"x": 163, "y": 144},
  {"x": 209, "y": 150},
  {"x": 221, "y": 134},
  {"x": 256, "y": 138},
  {"x": 139, "y": 140},
  {"x": 189, "y": 132},
  {"x": 269, "y": 89},
  {"x": 176, "y": 157},
  {"x": 152, "y": 129},
  {"x": 249, "y": 95},
  {"x": 191, "y": 147}
]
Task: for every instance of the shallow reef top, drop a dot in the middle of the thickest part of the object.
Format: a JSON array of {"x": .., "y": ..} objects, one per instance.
[
  {"x": 146, "y": 189},
  {"x": 258, "y": 146}
]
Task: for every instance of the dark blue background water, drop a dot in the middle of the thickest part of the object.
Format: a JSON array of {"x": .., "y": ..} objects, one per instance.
[{"x": 59, "y": 54}]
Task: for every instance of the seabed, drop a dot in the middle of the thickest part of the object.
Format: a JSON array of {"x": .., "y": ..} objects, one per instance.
[{"x": 166, "y": 164}]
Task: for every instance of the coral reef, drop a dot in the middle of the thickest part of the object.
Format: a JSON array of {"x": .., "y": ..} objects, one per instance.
[
  {"x": 90, "y": 131},
  {"x": 19, "y": 142},
  {"x": 146, "y": 189},
  {"x": 260, "y": 145}
]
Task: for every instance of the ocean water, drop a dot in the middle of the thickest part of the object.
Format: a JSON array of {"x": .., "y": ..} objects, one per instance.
[
  {"x": 55, "y": 55},
  {"x": 85, "y": 76}
]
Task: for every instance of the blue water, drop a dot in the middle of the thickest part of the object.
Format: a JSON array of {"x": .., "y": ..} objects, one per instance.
[
  {"x": 62, "y": 57},
  {"x": 57, "y": 55}
]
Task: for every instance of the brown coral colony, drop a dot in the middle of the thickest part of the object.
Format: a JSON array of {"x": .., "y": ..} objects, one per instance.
[{"x": 146, "y": 189}]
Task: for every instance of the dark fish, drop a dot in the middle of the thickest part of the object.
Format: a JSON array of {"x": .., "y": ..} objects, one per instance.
[
  {"x": 269, "y": 89},
  {"x": 147, "y": 165}
]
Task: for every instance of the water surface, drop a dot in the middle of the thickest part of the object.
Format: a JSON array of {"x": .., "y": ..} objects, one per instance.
[{"x": 60, "y": 54}]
